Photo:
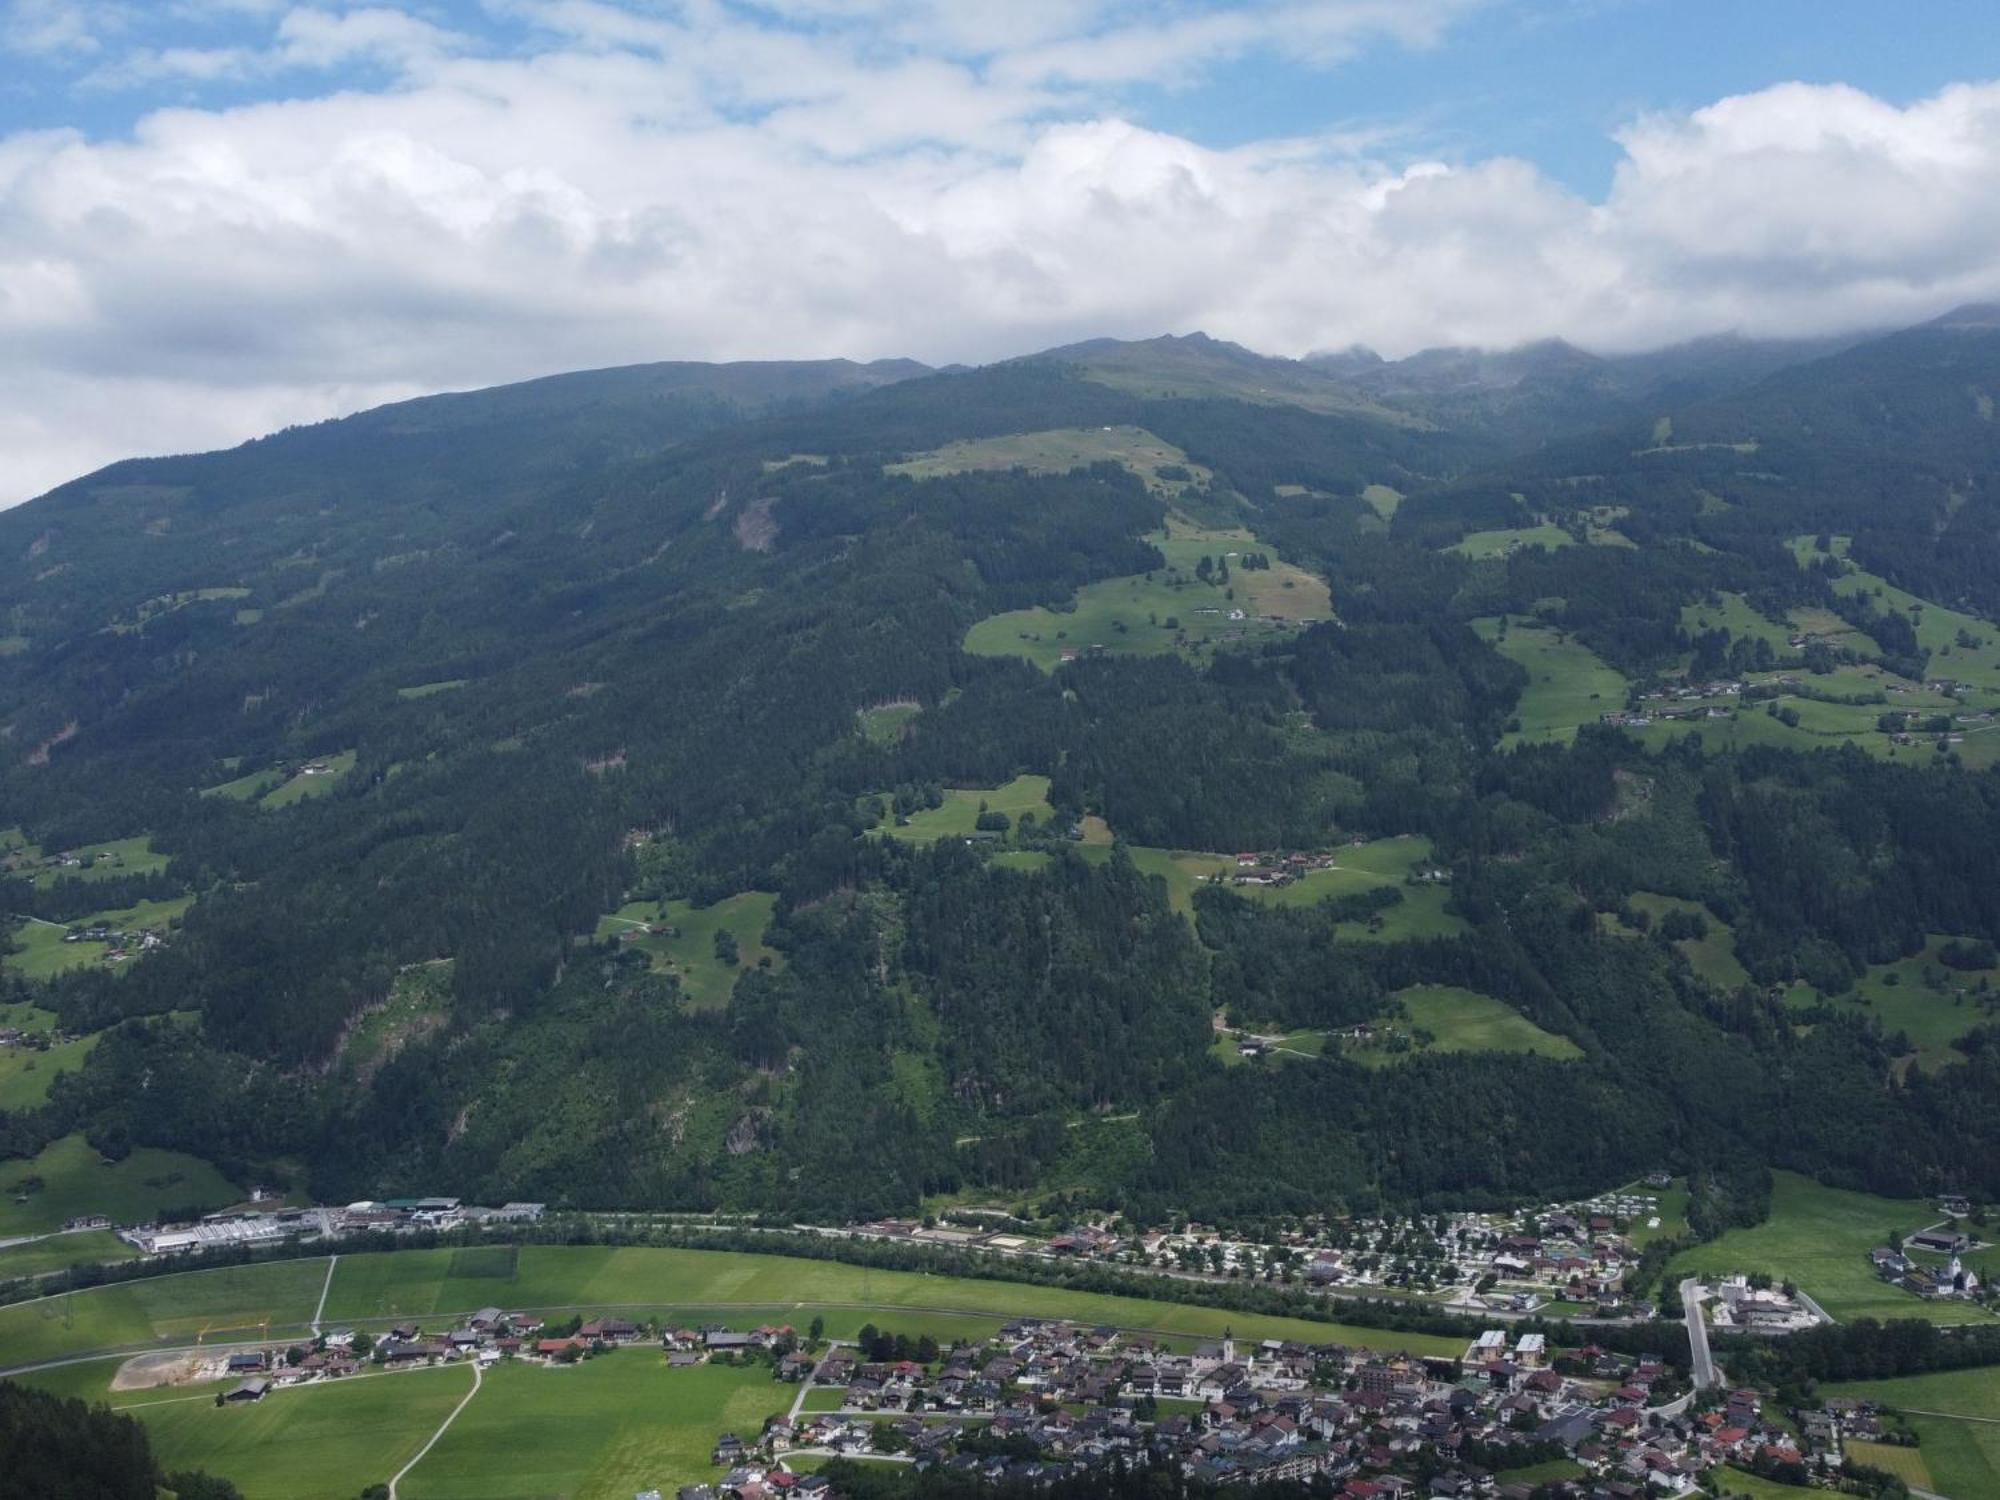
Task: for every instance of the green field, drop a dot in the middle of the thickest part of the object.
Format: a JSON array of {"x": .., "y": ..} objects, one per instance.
[
  {"x": 25, "y": 1073},
  {"x": 1936, "y": 627},
  {"x": 60, "y": 1252},
  {"x": 1732, "y": 612},
  {"x": 1169, "y": 609},
  {"x": 232, "y": 1304},
  {"x": 1465, "y": 1021},
  {"x": 609, "y": 1426},
  {"x": 1820, "y": 1237},
  {"x": 1059, "y": 451},
  {"x": 1487, "y": 544},
  {"x": 1733, "y": 1481},
  {"x": 959, "y": 814},
  {"x": 886, "y": 723},
  {"x": 76, "y": 1181},
  {"x": 1356, "y": 867},
  {"x": 318, "y": 1442},
  {"x": 685, "y": 944},
  {"x": 44, "y": 951},
  {"x": 1567, "y": 685},
  {"x": 431, "y": 689},
  {"x": 133, "y": 856},
  {"x": 1713, "y": 957},
  {"x": 420, "y": 1283},
  {"x": 1907, "y": 1464},
  {"x": 302, "y": 786},
  {"x": 1953, "y": 1393},
  {"x": 1959, "y": 1435},
  {"x": 1963, "y": 1457},
  {"x": 605, "y": 1429},
  {"x": 1383, "y": 498},
  {"x": 248, "y": 787},
  {"x": 1920, "y": 996}
]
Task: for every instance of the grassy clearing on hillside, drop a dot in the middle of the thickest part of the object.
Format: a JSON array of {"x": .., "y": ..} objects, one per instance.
[
  {"x": 1357, "y": 867},
  {"x": 247, "y": 787},
  {"x": 1937, "y": 628},
  {"x": 886, "y": 723},
  {"x": 432, "y": 689},
  {"x": 959, "y": 814},
  {"x": 682, "y": 942},
  {"x": 317, "y": 1442},
  {"x": 1568, "y": 686},
  {"x": 1919, "y": 996},
  {"x": 44, "y": 949},
  {"x": 114, "y": 857},
  {"x": 422, "y": 1283},
  {"x": 75, "y": 1180},
  {"x": 1486, "y": 544},
  {"x": 25, "y": 1073},
  {"x": 1460, "y": 1020},
  {"x": 1168, "y": 609},
  {"x": 1732, "y": 612},
  {"x": 1383, "y": 498},
  {"x": 1819, "y": 1237},
  {"x": 332, "y": 770},
  {"x": 149, "y": 610},
  {"x": 1713, "y": 957},
  {"x": 1061, "y": 450},
  {"x": 610, "y": 1427}
]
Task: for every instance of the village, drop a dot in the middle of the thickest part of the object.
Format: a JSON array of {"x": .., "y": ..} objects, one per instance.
[
  {"x": 1568, "y": 1259},
  {"x": 1042, "y": 1400}
]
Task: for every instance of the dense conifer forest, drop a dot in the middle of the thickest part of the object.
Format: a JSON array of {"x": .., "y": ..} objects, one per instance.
[{"x": 446, "y": 689}]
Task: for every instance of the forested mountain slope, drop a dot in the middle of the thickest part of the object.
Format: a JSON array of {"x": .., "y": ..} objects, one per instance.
[{"x": 603, "y": 790}]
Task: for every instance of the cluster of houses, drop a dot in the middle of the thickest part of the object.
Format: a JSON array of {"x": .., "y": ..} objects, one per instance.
[
  {"x": 1743, "y": 1307},
  {"x": 1047, "y": 1400},
  {"x": 1953, "y": 1278},
  {"x": 1580, "y": 1253}
]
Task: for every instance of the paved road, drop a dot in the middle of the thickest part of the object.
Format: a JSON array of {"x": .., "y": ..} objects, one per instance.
[{"x": 1705, "y": 1374}]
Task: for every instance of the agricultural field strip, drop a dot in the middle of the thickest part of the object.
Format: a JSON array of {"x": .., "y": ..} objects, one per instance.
[{"x": 1333, "y": 1332}]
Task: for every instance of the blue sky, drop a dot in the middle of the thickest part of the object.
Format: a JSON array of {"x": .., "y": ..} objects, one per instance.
[
  {"x": 221, "y": 216},
  {"x": 1548, "y": 80}
]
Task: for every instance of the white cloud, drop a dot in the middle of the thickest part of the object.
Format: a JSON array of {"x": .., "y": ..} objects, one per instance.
[{"x": 880, "y": 177}]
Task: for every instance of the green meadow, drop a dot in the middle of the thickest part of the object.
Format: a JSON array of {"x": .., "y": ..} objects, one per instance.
[
  {"x": 68, "y": 1179},
  {"x": 958, "y": 816},
  {"x": 26, "y": 1073},
  {"x": 608, "y": 1427},
  {"x": 302, "y": 785},
  {"x": 43, "y": 950},
  {"x": 60, "y": 1252},
  {"x": 1168, "y": 609},
  {"x": 684, "y": 943},
  {"x": 1712, "y": 956},
  {"x": 886, "y": 723},
  {"x": 1462, "y": 1020},
  {"x": 1732, "y": 612},
  {"x": 1819, "y": 1237},
  {"x": 1059, "y": 451},
  {"x": 1488, "y": 544},
  {"x": 1567, "y": 685},
  {"x": 1920, "y": 997},
  {"x": 317, "y": 1442},
  {"x": 1958, "y": 1432},
  {"x": 230, "y": 1304},
  {"x": 423, "y": 1283}
]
